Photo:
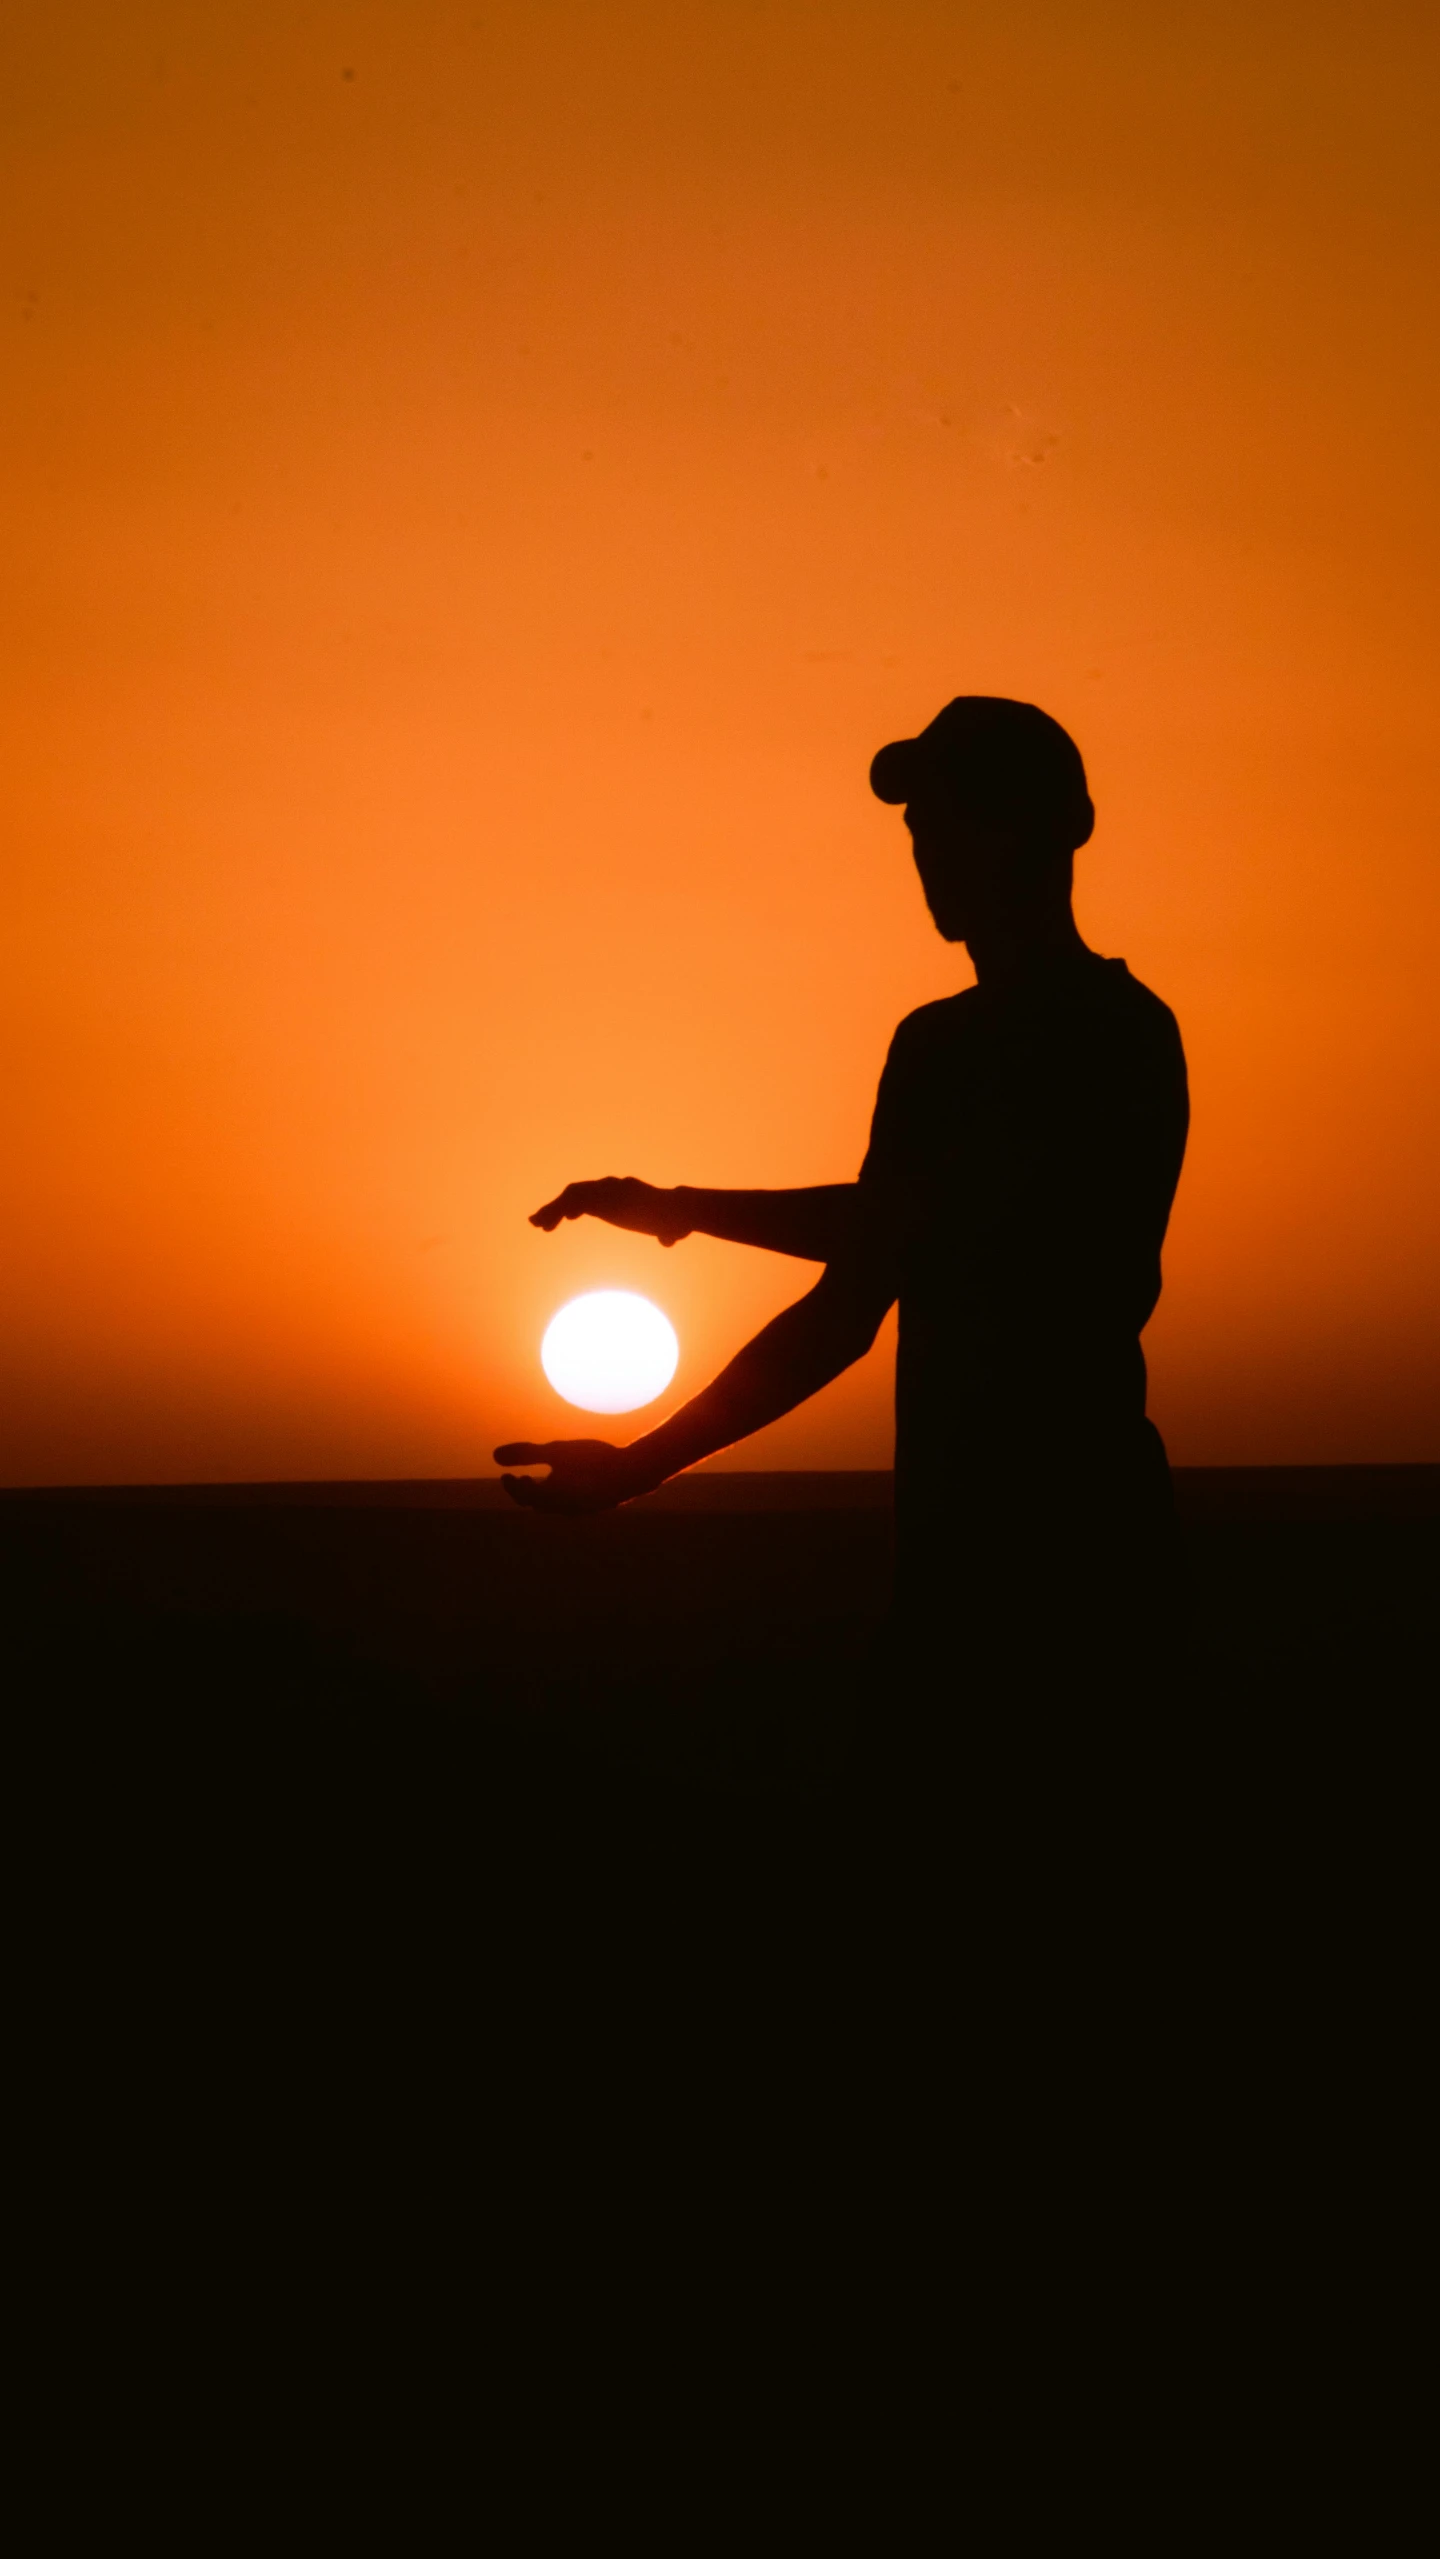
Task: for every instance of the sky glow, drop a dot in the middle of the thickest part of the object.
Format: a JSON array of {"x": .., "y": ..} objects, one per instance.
[{"x": 476, "y": 487}]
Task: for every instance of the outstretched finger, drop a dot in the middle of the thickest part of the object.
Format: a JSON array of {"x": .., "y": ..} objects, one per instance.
[
  {"x": 548, "y": 1217},
  {"x": 525, "y": 1452}
]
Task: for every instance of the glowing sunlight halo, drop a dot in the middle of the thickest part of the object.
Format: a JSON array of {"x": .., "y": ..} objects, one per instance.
[{"x": 610, "y": 1351}]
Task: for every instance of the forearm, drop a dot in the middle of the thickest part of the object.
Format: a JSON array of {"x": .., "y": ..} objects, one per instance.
[
  {"x": 813, "y": 1225},
  {"x": 801, "y": 1351}
]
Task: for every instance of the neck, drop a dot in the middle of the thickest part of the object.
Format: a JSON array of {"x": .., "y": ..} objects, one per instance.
[{"x": 1013, "y": 947}]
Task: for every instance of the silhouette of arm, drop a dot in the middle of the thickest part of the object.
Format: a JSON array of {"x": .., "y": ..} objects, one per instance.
[
  {"x": 797, "y": 1354},
  {"x": 812, "y": 1225}
]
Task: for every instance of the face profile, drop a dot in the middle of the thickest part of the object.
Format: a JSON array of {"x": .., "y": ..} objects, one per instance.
[{"x": 974, "y": 872}]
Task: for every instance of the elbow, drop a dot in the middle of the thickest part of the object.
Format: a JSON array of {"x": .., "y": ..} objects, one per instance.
[
  {"x": 851, "y": 1332},
  {"x": 858, "y": 1338}
]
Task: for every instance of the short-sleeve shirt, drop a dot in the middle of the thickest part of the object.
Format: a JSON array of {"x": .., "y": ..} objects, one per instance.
[{"x": 1024, "y": 1154}]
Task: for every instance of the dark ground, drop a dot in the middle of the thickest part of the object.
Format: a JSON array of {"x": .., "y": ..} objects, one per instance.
[
  {"x": 366, "y": 1831},
  {"x": 705, "y": 1636},
  {"x": 366, "y": 1695}
]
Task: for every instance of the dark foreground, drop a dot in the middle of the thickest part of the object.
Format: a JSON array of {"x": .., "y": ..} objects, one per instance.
[
  {"x": 713, "y": 1636},
  {"x": 372, "y": 1833}
]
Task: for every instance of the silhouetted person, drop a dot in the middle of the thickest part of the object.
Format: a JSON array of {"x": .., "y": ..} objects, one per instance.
[{"x": 1026, "y": 1144}]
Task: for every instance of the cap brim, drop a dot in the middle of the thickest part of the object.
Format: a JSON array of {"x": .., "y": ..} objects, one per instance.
[{"x": 894, "y": 771}]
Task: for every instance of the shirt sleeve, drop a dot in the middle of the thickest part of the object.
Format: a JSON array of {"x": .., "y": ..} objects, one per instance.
[{"x": 888, "y": 1155}]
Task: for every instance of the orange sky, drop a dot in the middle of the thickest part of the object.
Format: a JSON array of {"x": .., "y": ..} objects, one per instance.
[{"x": 479, "y": 481}]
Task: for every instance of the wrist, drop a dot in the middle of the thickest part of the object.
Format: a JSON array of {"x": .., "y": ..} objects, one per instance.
[{"x": 680, "y": 1221}]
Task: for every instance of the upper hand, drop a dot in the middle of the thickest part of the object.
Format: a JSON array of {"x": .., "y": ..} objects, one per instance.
[
  {"x": 620, "y": 1200},
  {"x": 585, "y": 1475}
]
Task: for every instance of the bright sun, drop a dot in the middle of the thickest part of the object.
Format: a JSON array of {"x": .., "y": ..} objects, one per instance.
[{"x": 610, "y": 1351}]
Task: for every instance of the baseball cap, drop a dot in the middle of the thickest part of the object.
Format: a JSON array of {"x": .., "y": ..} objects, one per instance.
[{"x": 1002, "y": 760}]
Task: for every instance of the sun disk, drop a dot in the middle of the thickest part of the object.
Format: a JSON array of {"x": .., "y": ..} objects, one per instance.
[{"x": 609, "y": 1352}]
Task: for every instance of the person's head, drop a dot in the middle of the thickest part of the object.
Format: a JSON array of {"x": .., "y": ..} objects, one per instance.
[{"x": 996, "y": 803}]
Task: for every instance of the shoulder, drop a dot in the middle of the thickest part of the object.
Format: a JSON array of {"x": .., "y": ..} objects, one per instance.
[
  {"x": 932, "y": 1028},
  {"x": 1144, "y": 1014},
  {"x": 922, "y": 1063}
]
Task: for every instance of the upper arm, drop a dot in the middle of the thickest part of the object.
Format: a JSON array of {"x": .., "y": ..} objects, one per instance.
[
  {"x": 862, "y": 1281},
  {"x": 891, "y": 1193},
  {"x": 850, "y": 1301},
  {"x": 1160, "y": 1120},
  {"x": 860, "y": 1285}
]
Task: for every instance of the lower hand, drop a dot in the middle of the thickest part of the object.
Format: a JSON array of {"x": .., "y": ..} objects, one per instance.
[
  {"x": 620, "y": 1200},
  {"x": 585, "y": 1475}
]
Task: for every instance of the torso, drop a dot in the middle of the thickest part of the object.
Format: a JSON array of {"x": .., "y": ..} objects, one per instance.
[{"x": 1031, "y": 1141}]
